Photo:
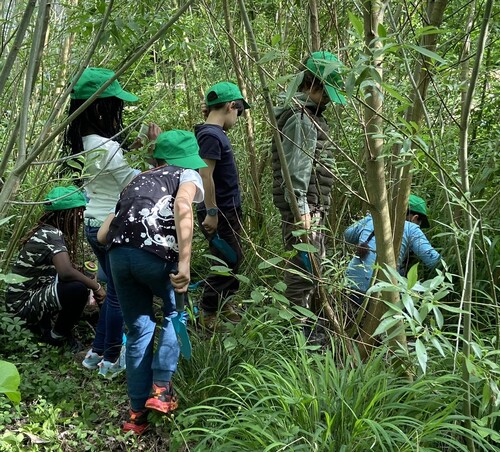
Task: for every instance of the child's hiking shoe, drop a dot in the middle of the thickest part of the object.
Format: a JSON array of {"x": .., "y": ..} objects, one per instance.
[
  {"x": 162, "y": 399},
  {"x": 91, "y": 360},
  {"x": 110, "y": 370},
  {"x": 230, "y": 313},
  {"x": 70, "y": 342},
  {"x": 137, "y": 422}
]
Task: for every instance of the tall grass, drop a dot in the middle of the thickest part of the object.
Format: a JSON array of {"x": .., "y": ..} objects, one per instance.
[{"x": 265, "y": 389}]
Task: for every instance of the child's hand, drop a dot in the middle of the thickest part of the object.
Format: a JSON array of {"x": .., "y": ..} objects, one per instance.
[
  {"x": 99, "y": 295},
  {"x": 180, "y": 280}
]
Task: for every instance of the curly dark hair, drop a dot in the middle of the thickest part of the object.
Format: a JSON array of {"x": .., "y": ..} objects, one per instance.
[
  {"x": 68, "y": 221},
  {"x": 103, "y": 117}
]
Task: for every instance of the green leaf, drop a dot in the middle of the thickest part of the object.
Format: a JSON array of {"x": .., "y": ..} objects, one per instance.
[
  {"x": 257, "y": 296},
  {"x": 275, "y": 39},
  {"x": 285, "y": 314},
  {"x": 230, "y": 343},
  {"x": 386, "y": 325},
  {"x": 6, "y": 220},
  {"x": 412, "y": 276},
  {"x": 421, "y": 355},
  {"x": 279, "y": 297},
  {"x": 439, "y": 316},
  {"x": 220, "y": 270},
  {"x": 471, "y": 368},
  {"x": 9, "y": 381},
  {"x": 307, "y": 247},
  {"x": 437, "y": 346},
  {"x": 428, "y": 53},
  {"x": 293, "y": 87},
  {"x": 381, "y": 30},
  {"x": 269, "y": 56},
  {"x": 12, "y": 278},
  {"x": 357, "y": 23},
  {"x": 305, "y": 312},
  {"x": 269, "y": 263},
  {"x": 280, "y": 286},
  {"x": 242, "y": 278}
]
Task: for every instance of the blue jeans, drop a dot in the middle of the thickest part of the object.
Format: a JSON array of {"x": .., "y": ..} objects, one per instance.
[
  {"x": 109, "y": 330},
  {"x": 139, "y": 275}
]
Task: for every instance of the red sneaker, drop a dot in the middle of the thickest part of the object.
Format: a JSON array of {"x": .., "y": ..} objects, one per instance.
[
  {"x": 137, "y": 422},
  {"x": 162, "y": 399}
]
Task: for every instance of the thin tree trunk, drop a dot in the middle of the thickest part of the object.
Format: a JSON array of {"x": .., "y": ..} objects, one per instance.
[
  {"x": 376, "y": 187},
  {"x": 464, "y": 175},
  {"x": 414, "y": 113},
  {"x": 314, "y": 26}
]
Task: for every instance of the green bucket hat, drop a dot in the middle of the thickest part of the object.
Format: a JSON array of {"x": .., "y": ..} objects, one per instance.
[
  {"x": 223, "y": 92},
  {"x": 179, "y": 148},
  {"x": 92, "y": 79},
  {"x": 417, "y": 205},
  {"x": 325, "y": 66},
  {"x": 62, "y": 198}
]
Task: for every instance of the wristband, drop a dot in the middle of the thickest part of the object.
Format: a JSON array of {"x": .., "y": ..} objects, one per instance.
[{"x": 98, "y": 288}]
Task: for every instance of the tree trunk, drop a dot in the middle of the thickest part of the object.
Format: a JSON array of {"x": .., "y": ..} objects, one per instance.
[
  {"x": 421, "y": 79},
  {"x": 376, "y": 186}
]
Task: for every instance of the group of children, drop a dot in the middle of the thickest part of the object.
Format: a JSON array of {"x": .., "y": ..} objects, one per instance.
[{"x": 140, "y": 225}]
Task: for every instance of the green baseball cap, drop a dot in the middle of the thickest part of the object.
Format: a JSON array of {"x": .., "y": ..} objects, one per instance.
[
  {"x": 223, "y": 92},
  {"x": 92, "y": 79},
  {"x": 62, "y": 198},
  {"x": 417, "y": 205},
  {"x": 325, "y": 66},
  {"x": 179, "y": 148}
]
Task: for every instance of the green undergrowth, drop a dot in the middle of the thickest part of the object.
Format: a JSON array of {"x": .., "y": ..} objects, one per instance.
[{"x": 256, "y": 386}]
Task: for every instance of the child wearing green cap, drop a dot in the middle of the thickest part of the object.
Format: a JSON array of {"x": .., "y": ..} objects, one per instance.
[
  {"x": 96, "y": 132},
  {"x": 150, "y": 250},
  {"x": 308, "y": 151},
  {"x": 360, "y": 270},
  {"x": 220, "y": 214},
  {"x": 53, "y": 296}
]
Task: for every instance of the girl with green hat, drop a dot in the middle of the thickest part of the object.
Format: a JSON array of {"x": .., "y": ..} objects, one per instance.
[
  {"x": 53, "y": 294},
  {"x": 96, "y": 132}
]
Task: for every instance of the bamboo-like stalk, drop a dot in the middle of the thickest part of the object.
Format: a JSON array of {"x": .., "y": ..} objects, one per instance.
[
  {"x": 376, "y": 187},
  {"x": 258, "y": 219},
  {"x": 16, "y": 46},
  {"x": 464, "y": 175},
  {"x": 314, "y": 26}
]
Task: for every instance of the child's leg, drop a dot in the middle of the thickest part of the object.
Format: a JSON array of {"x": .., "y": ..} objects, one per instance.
[
  {"x": 136, "y": 300},
  {"x": 109, "y": 329},
  {"x": 166, "y": 356},
  {"x": 73, "y": 296}
]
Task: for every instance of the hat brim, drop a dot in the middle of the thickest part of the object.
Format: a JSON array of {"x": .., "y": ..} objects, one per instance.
[
  {"x": 334, "y": 95},
  {"x": 126, "y": 96},
  {"x": 191, "y": 162}
]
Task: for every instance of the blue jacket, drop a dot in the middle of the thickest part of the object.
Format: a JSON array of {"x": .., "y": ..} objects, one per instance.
[{"x": 359, "y": 272}]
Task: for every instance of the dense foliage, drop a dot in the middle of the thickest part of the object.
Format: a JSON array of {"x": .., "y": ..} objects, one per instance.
[{"x": 260, "y": 386}]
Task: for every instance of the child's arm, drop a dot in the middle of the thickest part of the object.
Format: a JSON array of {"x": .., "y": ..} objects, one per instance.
[
  {"x": 102, "y": 233},
  {"x": 66, "y": 272},
  {"x": 183, "y": 214}
]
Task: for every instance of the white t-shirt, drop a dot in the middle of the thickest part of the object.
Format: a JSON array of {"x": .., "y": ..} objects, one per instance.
[{"x": 107, "y": 173}]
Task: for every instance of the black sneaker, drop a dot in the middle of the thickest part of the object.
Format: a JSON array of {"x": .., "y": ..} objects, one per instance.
[{"x": 73, "y": 344}]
